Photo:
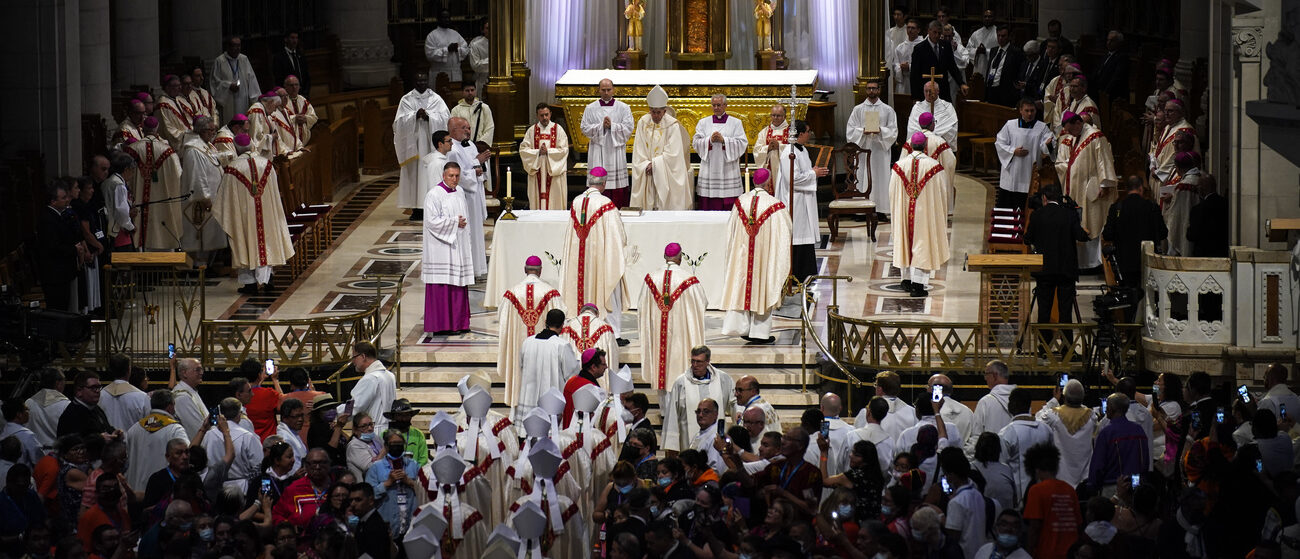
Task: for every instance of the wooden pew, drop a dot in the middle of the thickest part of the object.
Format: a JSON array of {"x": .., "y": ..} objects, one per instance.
[
  {"x": 377, "y": 154},
  {"x": 979, "y": 124}
]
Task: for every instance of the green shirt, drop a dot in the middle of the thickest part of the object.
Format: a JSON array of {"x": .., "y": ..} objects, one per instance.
[{"x": 417, "y": 446}]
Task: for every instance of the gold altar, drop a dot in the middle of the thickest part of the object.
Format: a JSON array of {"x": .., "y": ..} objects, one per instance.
[{"x": 750, "y": 94}]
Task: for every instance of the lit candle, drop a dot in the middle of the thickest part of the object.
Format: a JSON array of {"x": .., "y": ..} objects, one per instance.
[
  {"x": 510, "y": 181},
  {"x": 746, "y": 179}
]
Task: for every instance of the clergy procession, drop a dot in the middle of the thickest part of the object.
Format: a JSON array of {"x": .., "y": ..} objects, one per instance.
[{"x": 595, "y": 299}]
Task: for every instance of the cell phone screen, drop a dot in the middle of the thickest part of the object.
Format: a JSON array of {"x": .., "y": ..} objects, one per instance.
[
  {"x": 1218, "y": 415},
  {"x": 1103, "y": 407},
  {"x": 1244, "y": 392},
  {"x": 936, "y": 393},
  {"x": 266, "y": 486},
  {"x": 1259, "y": 465},
  {"x": 722, "y": 427},
  {"x": 270, "y": 366},
  {"x": 943, "y": 483},
  {"x": 1065, "y": 379},
  {"x": 826, "y": 429},
  {"x": 171, "y": 351},
  {"x": 1281, "y": 410},
  {"x": 347, "y": 408},
  {"x": 1136, "y": 480}
]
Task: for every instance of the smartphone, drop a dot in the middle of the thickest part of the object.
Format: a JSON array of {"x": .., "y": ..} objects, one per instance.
[
  {"x": 722, "y": 427},
  {"x": 171, "y": 350},
  {"x": 1196, "y": 420},
  {"x": 943, "y": 484},
  {"x": 212, "y": 415},
  {"x": 1244, "y": 392},
  {"x": 270, "y": 367},
  {"x": 347, "y": 408},
  {"x": 1065, "y": 379},
  {"x": 1259, "y": 465},
  {"x": 835, "y": 515},
  {"x": 826, "y": 429},
  {"x": 266, "y": 486},
  {"x": 936, "y": 393},
  {"x": 1103, "y": 407},
  {"x": 1135, "y": 480},
  {"x": 1281, "y": 410},
  {"x": 1218, "y": 414}
]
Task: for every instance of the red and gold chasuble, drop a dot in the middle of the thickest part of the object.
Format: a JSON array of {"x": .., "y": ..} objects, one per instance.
[
  {"x": 544, "y": 188},
  {"x": 1170, "y": 139},
  {"x": 907, "y": 148},
  {"x": 752, "y": 225},
  {"x": 180, "y": 110},
  {"x": 913, "y": 185},
  {"x": 586, "y": 339},
  {"x": 147, "y": 166},
  {"x": 1074, "y": 154},
  {"x": 256, "y": 186},
  {"x": 582, "y": 227},
  {"x": 530, "y": 311},
  {"x": 665, "y": 301}
]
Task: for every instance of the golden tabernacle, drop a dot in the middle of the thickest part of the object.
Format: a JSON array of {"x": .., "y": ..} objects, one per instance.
[{"x": 750, "y": 94}]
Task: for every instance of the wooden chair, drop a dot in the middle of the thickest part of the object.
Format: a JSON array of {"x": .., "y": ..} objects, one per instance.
[{"x": 848, "y": 201}]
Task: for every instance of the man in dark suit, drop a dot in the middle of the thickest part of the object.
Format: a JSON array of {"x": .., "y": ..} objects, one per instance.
[
  {"x": 1054, "y": 32},
  {"x": 58, "y": 254},
  {"x": 373, "y": 536},
  {"x": 1054, "y": 231},
  {"x": 1207, "y": 225},
  {"x": 934, "y": 53},
  {"x": 83, "y": 416},
  {"x": 290, "y": 61},
  {"x": 1129, "y": 222},
  {"x": 1005, "y": 61},
  {"x": 637, "y": 404},
  {"x": 1112, "y": 76},
  {"x": 1030, "y": 82}
]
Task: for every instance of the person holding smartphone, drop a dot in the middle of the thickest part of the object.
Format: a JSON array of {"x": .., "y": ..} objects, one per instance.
[
  {"x": 1277, "y": 394},
  {"x": 1121, "y": 449}
]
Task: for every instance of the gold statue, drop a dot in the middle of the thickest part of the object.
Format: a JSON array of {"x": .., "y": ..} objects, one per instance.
[
  {"x": 634, "y": 12},
  {"x": 763, "y": 10}
]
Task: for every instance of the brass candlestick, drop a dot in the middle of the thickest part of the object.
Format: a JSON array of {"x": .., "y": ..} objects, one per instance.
[{"x": 508, "y": 203}]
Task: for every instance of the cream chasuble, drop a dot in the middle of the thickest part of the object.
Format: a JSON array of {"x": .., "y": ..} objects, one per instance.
[
  {"x": 920, "y": 212},
  {"x": 205, "y": 105},
  {"x": 286, "y": 135},
  {"x": 127, "y": 130},
  {"x": 664, "y": 148},
  {"x": 586, "y": 331},
  {"x": 1086, "y": 167},
  {"x": 479, "y": 116},
  {"x": 248, "y": 208},
  {"x": 157, "y": 177},
  {"x": 594, "y": 262},
  {"x": 879, "y": 144},
  {"x": 758, "y": 258},
  {"x": 300, "y": 106},
  {"x": 1055, "y": 97},
  {"x": 224, "y": 144},
  {"x": 202, "y": 172},
  {"x": 548, "y": 187},
  {"x": 1177, "y": 211},
  {"x": 521, "y": 314},
  {"x": 685, "y": 395},
  {"x": 608, "y": 147},
  {"x": 471, "y": 539},
  {"x": 671, "y": 318},
  {"x": 1162, "y": 157},
  {"x": 940, "y": 151},
  {"x": 413, "y": 138},
  {"x": 1086, "y": 108},
  {"x": 146, "y": 443},
  {"x": 494, "y": 426},
  {"x": 176, "y": 120},
  {"x": 764, "y": 156}
]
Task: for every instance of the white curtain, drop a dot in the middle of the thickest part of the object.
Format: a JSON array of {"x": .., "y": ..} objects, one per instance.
[
  {"x": 823, "y": 35},
  {"x": 568, "y": 34},
  {"x": 744, "y": 43}
]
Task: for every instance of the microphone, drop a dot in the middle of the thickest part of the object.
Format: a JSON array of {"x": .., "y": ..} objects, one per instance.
[{"x": 173, "y": 234}]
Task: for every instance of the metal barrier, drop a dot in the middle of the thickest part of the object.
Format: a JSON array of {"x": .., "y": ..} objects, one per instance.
[{"x": 150, "y": 306}]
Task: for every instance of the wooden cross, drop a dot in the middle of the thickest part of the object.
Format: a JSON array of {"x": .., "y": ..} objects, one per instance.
[{"x": 932, "y": 75}]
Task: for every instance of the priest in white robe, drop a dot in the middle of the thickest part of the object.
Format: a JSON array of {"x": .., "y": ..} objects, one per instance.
[
  {"x": 147, "y": 440},
  {"x": 701, "y": 381},
  {"x": 46, "y": 406},
  {"x": 879, "y": 138},
  {"x": 544, "y": 153},
  {"x": 480, "y": 49},
  {"x": 660, "y": 158},
  {"x": 447, "y": 267},
  {"x": 1176, "y": 201},
  {"x": 758, "y": 262},
  {"x": 420, "y": 113},
  {"x": 945, "y": 116},
  {"x": 1087, "y": 170},
  {"x": 1021, "y": 144},
  {"x": 202, "y": 169},
  {"x": 981, "y": 42},
  {"x": 234, "y": 85},
  {"x": 157, "y": 178},
  {"x": 249, "y": 209},
  {"x": 176, "y": 119},
  {"x": 473, "y": 180},
  {"x": 545, "y": 361},
  {"x": 594, "y": 261},
  {"x": 519, "y": 315},
  {"x": 299, "y": 110},
  {"x": 588, "y": 330},
  {"x": 607, "y": 123},
  {"x": 433, "y": 162},
  {"x": 939, "y": 150},
  {"x": 806, "y": 231},
  {"x": 768, "y": 143},
  {"x": 477, "y": 113},
  {"x": 671, "y": 319},
  {"x": 445, "y": 49},
  {"x": 720, "y": 142},
  {"x": 902, "y": 68},
  {"x": 921, "y": 208}
]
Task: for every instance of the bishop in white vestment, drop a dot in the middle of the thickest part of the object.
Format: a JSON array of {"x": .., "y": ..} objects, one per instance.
[
  {"x": 939, "y": 150},
  {"x": 671, "y": 318},
  {"x": 758, "y": 262},
  {"x": 698, "y": 382},
  {"x": 249, "y": 209},
  {"x": 1087, "y": 170},
  {"x": 544, "y": 153},
  {"x": 588, "y": 330},
  {"x": 420, "y": 113},
  {"x": 1176, "y": 201},
  {"x": 945, "y": 116},
  {"x": 607, "y": 123},
  {"x": 768, "y": 143},
  {"x": 234, "y": 85},
  {"x": 1162, "y": 156},
  {"x": 519, "y": 315},
  {"x": 1021, "y": 143},
  {"x": 447, "y": 267},
  {"x": 879, "y": 139},
  {"x": 920, "y": 208},
  {"x": 202, "y": 169},
  {"x": 173, "y": 111},
  {"x": 720, "y": 142},
  {"x": 660, "y": 158},
  {"x": 1080, "y": 103},
  {"x": 594, "y": 262},
  {"x": 201, "y": 99},
  {"x": 157, "y": 178},
  {"x": 299, "y": 110}
]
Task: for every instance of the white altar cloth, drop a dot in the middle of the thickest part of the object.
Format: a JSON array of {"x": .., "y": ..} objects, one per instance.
[
  {"x": 690, "y": 77},
  {"x": 541, "y": 231}
]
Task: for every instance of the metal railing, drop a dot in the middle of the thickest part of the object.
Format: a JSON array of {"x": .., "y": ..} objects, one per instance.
[{"x": 394, "y": 317}]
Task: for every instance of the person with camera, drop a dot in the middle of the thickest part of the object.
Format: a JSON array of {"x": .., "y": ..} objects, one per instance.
[
  {"x": 1053, "y": 231},
  {"x": 1129, "y": 222}
]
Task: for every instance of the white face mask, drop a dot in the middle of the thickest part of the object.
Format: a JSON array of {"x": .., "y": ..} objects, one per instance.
[{"x": 626, "y": 416}]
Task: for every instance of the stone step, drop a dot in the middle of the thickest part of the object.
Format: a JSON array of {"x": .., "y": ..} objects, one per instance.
[
  {"x": 418, "y": 375},
  {"x": 724, "y": 356},
  {"x": 437, "y": 396}
]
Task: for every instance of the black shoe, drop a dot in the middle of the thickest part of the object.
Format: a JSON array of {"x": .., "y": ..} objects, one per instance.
[
  {"x": 622, "y": 342},
  {"x": 416, "y": 215},
  {"x": 248, "y": 289},
  {"x": 882, "y": 218},
  {"x": 906, "y": 284},
  {"x": 919, "y": 290},
  {"x": 760, "y": 341}
]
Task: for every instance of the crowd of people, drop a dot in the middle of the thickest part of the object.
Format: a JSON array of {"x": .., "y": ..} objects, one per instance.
[{"x": 99, "y": 467}]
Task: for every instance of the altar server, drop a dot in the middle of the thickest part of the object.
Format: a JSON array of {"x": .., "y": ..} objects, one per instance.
[
  {"x": 919, "y": 193},
  {"x": 720, "y": 142},
  {"x": 608, "y": 124},
  {"x": 878, "y": 140},
  {"x": 249, "y": 209},
  {"x": 520, "y": 314},
  {"x": 803, "y": 180},
  {"x": 660, "y": 158},
  {"x": 447, "y": 267},
  {"x": 420, "y": 113},
  {"x": 234, "y": 85},
  {"x": 594, "y": 262},
  {"x": 445, "y": 48},
  {"x": 671, "y": 319},
  {"x": 544, "y": 152},
  {"x": 546, "y": 360},
  {"x": 758, "y": 262},
  {"x": 1021, "y": 143},
  {"x": 767, "y": 146},
  {"x": 1087, "y": 170}
]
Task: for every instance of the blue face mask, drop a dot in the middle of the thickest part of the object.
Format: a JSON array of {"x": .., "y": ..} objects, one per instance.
[
  {"x": 846, "y": 511},
  {"x": 353, "y": 521},
  {"x": 654, "y": 510},
  {"x": 886, "y": 510},
  {"x": 665, "y": 481},
  {"x": 624, "y": 489},
  {"x": 206, "y": 534},
  {"x": 1008, "y": 540},
  {"x": 366, "y": 437}
]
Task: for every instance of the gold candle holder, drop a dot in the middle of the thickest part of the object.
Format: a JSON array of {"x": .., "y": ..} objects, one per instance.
[{"x": 508, "y": 203}]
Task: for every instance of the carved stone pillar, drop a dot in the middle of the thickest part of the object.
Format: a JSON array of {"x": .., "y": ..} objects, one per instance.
[
  {"x": 135, "y": 44},
  {"x": 365, "y": 52},
  {"x": 871, "y": 47},
  {"x": 501, "y": 88},
  {"x": 96, "y": 60},
  {"x": 519, "y": 71}
]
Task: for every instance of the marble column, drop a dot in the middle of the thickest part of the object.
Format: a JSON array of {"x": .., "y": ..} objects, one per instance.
[
  {"x": 96, "y": 60},
  {"x": 871, "y": 46},
  {"x": 40, "y": 84},
  {"x": 500, "y": 90},
  {"x": 196, "y": 30},
  {"x": 135, "y": 44},
  {"x": 365, "y": 51},
  {"x": 519, "y": 67}
]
